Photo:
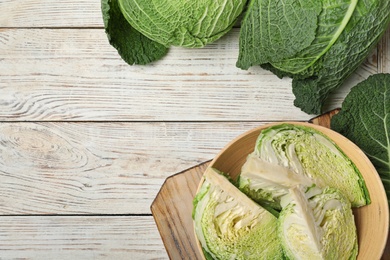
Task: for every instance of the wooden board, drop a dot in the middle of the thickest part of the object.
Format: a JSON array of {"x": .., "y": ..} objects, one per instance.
[
  {"x": 172, "y": 207},
  {"x": 172, "y": 212}
]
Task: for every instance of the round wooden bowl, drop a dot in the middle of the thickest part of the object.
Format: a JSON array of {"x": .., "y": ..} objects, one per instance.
[{"x": 372, "y": 221}]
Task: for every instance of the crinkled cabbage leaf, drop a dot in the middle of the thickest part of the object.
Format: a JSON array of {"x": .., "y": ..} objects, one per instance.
[
  {"x": 331, "y": 22},
  {"x": 368, "y": 23},
  {"x": 182, "y": 23},
  {"x": 317, "y": 43},
  {"x": 132, "y": 46},
  {"x": 365, "y": 120},
  {"x": 272, "y": 30}
]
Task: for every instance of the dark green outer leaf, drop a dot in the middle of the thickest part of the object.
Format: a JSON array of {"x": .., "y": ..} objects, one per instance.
[
  {"x": 132, "y": 46},
  {"x": 368, "y": 23},
  {"x": 275, "y": 30},
  {"x": 191, "y": 24},
  {"x": 332, "y": 20},
  {"x": 365, "y": 120}
]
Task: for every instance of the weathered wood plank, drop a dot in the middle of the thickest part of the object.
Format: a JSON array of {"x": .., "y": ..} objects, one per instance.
[
  {"x": 71, "y": 74},
  {"x": 100, "y": 168},
  {"x": 47, "y": 13},
  {"x": 80, "y": 237}
]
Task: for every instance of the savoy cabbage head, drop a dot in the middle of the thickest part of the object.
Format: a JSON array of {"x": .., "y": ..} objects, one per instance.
[
  {"x": 143, "y": 30},
  {"x": 182, "y": 23},
  {"x": 317, "y": 43},
  {"x": 132, "y": 46}
]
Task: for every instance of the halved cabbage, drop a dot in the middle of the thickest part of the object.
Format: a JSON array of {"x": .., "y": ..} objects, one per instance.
[
  {"x": 229, "y": 225},
  {"x": 317, "y": 224},
  {"x": 308, "y": 152}
]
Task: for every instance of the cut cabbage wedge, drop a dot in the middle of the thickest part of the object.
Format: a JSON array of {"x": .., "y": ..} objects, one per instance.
[
  {"x": 267, "y": 182},
  {"x": 310, "y": 153},
  {"x": 317, "y": 224},
  {"x": 229, "y": 225}
]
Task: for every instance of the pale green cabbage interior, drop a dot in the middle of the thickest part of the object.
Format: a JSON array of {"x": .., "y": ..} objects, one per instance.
[
  {"x": 308, "y": 152},
  {"x": 229, "y": 225},
  {"x": 318, "y": 225}
]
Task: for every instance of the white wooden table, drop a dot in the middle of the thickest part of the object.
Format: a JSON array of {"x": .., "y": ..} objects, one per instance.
[{"x": 86, "y": 141}]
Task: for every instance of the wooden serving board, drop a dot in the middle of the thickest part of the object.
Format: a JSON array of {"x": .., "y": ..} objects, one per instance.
[{"x": 172, "y": 207}]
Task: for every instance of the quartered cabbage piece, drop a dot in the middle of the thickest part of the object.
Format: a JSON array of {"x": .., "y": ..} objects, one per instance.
[
  {"x": 310, "y": 153},
  {"x": 229, "y": 225},
  {"x": 266, "y": 182},
  {"x": 317, "y": 224}
]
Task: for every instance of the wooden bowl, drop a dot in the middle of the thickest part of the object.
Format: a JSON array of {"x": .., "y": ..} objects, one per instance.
[{"x": 372, "y": 221}]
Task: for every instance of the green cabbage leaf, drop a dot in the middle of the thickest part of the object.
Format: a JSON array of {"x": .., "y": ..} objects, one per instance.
[
  {"x": 365, "y": 28},
  {"x": 182, "y": 23},
  {"x": 291, "y": 35},
  {"x": 319, "y": 44},
  {"x": 365, "y": 120},
  {"x": 331, "y": 22},
  {"x": 132, "y": 46},
  {"x": 274, "y": 30}
]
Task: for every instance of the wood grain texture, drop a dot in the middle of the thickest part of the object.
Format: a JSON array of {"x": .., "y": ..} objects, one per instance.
[
  {"x": 325, "y": 119},
  {"x": 73, "y": 74},
  {"x": 99, "y": 168},
  {"x": 172, "y": 210},
  {"x": 80, "y": 237},
  {"x": 47, "y": 13}
]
